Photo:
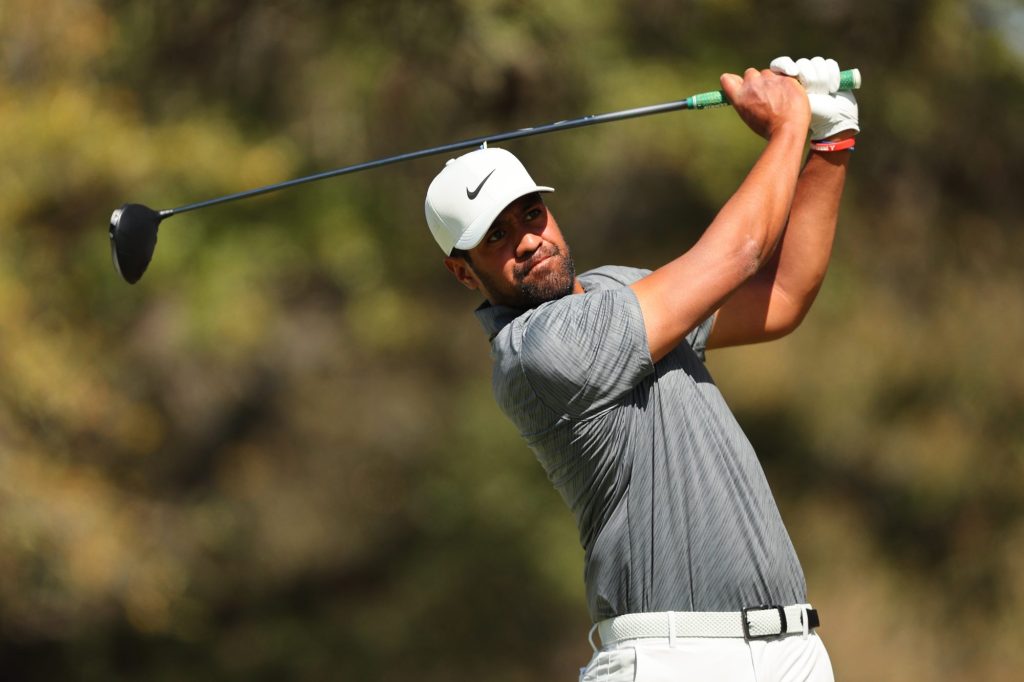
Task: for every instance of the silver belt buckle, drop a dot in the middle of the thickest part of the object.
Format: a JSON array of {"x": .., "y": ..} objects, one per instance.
[{"x": 783, "y": 625}]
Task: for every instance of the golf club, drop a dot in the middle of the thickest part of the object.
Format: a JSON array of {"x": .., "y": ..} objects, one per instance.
[{"x": 133, "y": 227}]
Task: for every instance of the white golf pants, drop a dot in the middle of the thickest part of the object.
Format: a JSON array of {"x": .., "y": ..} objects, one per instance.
[{"x": 788, "y": 659}]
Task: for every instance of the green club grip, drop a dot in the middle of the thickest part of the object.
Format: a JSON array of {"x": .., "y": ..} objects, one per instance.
[{"x": 848, "y": 80}]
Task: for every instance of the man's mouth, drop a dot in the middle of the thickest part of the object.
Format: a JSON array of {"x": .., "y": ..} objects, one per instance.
[
  {"x": 537, "y": 262},
  {"x": 528, "y": 267}
]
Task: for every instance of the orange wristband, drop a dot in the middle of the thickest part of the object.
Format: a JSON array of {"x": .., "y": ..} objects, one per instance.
[{"x": 837, "y": 146}]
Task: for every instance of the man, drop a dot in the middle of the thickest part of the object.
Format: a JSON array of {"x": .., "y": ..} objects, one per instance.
[{"x": 603, "y": 375}]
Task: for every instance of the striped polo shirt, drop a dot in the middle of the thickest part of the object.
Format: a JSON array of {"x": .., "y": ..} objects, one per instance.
[{"x": 673, "y": 509}]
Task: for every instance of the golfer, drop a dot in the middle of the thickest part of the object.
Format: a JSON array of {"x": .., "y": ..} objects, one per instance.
[{"x": 690, "y": 573}]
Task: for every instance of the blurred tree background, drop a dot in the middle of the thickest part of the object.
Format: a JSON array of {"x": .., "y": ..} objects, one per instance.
[{"x": 277, "y": 456}]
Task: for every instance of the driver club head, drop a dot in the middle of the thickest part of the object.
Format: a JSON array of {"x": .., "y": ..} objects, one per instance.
[{"x": 133, "y": 229}]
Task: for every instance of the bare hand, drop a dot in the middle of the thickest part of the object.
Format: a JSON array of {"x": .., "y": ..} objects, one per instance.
[{"x": 768, "y": 102}]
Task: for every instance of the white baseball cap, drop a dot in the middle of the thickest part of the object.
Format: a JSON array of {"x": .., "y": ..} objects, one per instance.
[{"x": 469, "y": 193}]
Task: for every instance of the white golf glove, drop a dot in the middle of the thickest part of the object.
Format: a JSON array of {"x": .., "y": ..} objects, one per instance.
[{"x": 832, "y": 110}]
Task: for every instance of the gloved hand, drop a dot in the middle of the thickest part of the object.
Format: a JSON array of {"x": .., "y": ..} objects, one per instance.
[{"x": 832, "y": 110}]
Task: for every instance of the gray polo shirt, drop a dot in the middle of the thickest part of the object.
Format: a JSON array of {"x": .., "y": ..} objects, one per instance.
[{"x": 673, "y": 509}]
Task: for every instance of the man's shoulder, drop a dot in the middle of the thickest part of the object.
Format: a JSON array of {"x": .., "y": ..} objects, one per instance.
[
  {"x": 575, "y": 355},
  {"x": 611, "y": 277}
]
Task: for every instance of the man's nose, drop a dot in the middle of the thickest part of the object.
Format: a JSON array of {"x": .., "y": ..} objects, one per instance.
[{"x": 528, "y": 243}]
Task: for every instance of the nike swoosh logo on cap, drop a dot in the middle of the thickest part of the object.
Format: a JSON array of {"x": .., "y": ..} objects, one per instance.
[{"x": 472, "y": 195}]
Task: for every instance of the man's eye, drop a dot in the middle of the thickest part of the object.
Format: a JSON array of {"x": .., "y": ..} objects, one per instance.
[
  {"x": 495, "y": 235},
  {"x": 533, "y": 214}
]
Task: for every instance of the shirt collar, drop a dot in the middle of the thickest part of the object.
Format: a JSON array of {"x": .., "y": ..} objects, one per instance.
[{"x": 495, "y": 317}]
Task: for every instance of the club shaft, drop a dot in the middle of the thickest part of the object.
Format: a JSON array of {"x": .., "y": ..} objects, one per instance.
[
  {"x": 704, "y": 100},
  {"x": 454, "y": 146}
]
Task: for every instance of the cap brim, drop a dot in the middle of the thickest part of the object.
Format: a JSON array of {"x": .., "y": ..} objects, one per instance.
[{"x": 475, "y": 234}]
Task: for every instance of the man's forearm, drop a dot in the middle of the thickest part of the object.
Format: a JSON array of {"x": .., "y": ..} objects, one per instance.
[
  {"x": 677, "y": 296},
  {"x": 734, "y": 248},
  {"x": 802, "y": 257},
  {"x": 758, "y": 209},
  {"x": 774, "y": 302}
]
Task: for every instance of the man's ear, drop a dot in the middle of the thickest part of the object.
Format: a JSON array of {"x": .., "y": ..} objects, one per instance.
[{"x": 461, "y": 271}]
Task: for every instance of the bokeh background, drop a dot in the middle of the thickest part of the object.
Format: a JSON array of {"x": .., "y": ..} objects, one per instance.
[{"x": 277, "y": 456}]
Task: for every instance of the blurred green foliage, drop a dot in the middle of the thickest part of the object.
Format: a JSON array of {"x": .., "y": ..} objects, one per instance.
[{"x": 277, "y": 456}]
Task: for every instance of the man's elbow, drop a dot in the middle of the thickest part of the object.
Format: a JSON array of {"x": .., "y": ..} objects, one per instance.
[
  {"x": 787, "y": 312},
  {"x": 749, "y": 256},
  {"x": 785, "y": 326}
]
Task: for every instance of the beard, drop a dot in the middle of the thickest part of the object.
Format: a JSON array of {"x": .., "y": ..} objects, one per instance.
[{"x": 531, "y": 292}]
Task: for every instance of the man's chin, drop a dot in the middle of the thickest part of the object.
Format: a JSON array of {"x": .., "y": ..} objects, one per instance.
[
  {"x": 531, "y": 298},
  {"x": 551, "y": 279},
  {"x": 551, "y": 288}
]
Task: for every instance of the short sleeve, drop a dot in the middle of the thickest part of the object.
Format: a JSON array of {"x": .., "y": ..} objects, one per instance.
[
  {"x": 618, "y": 276},
  {"x": 583, "y": 353},
  {"x": 698, "y": 338}
]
